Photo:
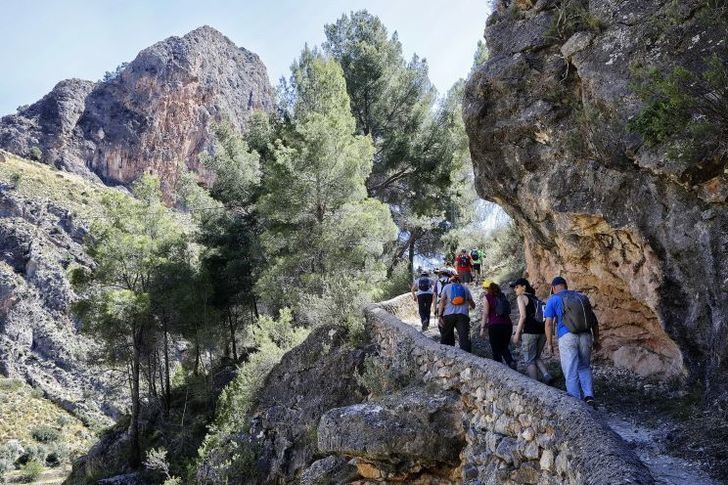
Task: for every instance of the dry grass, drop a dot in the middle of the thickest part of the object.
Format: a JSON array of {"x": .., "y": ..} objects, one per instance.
[
  {"x": 23, "y": 408},
  {"x": 38, "y": 181}
]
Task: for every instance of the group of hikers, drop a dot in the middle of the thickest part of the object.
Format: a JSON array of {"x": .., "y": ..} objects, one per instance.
[{"x": 566, "y": 316}]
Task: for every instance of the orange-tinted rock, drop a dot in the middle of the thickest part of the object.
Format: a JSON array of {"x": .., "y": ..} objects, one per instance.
[
  {"x": 642, "y": 234},
  {"x": 158, "y": 112}
]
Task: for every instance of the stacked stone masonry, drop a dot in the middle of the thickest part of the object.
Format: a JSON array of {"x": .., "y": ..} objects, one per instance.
[{"x": 518, "y": 430}]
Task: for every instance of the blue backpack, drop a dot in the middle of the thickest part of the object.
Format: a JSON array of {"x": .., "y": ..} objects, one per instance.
[
  {"x": 458, "y": 294},
  {"x": 424, "y": 284}
]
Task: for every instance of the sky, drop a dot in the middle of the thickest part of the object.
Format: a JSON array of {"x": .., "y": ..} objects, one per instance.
[{"x": 45, "y": 41}]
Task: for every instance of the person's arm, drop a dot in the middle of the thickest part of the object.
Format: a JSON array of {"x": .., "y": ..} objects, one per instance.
[
  {"x": 549, "y": 334},
  {"x": 414, "y": 291},
  {"x": 471, "y": 302},
  {"x": 521, "y": 318},
  {"x": 441, "y": 309}
]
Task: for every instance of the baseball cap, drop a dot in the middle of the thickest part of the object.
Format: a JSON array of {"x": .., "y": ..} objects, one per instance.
[{"x": 487, "y": 283}]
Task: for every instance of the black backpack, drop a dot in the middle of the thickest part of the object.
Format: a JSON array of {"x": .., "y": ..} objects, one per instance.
[
  {"x": 424, "y": 284},
  {"x": 463, "y": 260},
  {"x": 578, "y": 314},
  {"x": 502, "y": 306},
  {"x": 539, "y": 307}
]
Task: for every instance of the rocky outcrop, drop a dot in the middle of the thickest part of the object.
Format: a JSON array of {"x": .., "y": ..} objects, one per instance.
[
  {"x": 39, "y": 340},
  {"x": 644, "y": 236},
  {"x": 311, "y": 379},
  {"x": 516, "y": 430},
  {"x": 156, "y": 113},
  {"x": 399, "y": 437}
]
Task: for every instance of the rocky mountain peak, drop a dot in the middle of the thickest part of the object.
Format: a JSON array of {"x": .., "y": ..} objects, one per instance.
[{"x": 151, "y": 115}]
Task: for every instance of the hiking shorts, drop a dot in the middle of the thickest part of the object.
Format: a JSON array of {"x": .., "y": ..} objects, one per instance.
[
  {"x": 476, "y": 267},
  {"x": 532, "y": 347},
  {"x": 465, "y": 276}
]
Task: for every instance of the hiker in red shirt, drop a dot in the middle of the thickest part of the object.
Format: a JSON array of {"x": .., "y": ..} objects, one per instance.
[{"x": 464, "y": 265}]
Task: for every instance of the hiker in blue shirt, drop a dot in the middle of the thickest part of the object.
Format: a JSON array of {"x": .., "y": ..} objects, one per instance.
[
  {"x": 456, "y": 302},
  {"x": 577, "y": 331}
]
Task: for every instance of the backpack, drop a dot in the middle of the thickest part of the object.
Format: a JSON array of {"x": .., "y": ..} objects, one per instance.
[
  {"x": 539, "y": 308},
  {"x": 502, "y": 306},
  {"x": 443, "y": 281},
  {"x": 475, "y": 254},
  {"x": 463, "y": 260},
  {"x": 578, "y": 314},
  {"x": 424, "y": 284},
  {"x": 458, "y": 295}
]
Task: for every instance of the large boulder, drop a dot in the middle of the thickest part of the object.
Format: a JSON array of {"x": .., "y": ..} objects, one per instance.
[
  {"x": 155, "y": 113},
  {"x": 643, "y": 236},
  {"x": 399, "y": 436}
]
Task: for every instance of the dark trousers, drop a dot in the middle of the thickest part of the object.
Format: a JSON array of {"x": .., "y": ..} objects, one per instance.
[
  {"x": 447, "y": 331},
  {"x": 425, "y": 303},
  {"x": 500, "y": 341}
]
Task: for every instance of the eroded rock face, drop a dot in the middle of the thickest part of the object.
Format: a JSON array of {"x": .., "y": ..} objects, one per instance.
[
  {"x": 39, "y": 339},
  {"x": 398, "y": 437},
  {"x": 157, "y": 113},
  {"x": 644, "y": 237}
]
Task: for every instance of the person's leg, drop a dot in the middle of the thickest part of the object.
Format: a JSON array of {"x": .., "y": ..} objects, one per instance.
[
  {"x": 493, "y": 339},
  {"x": 425, "y": 302},
  {"x": 547, "y": 378},
  {"x": 584, "y": 366},
  {"x": 447, "y": 332},
  {"x": 528, "y": 347},
  {"x": 506, "y": 351},
  {"x": 569, "y": 352},
  {"x": 421, "y": 308},
  {"x": 463, "y": 324}
]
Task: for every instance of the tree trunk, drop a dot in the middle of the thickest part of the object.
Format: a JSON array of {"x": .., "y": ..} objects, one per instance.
[
  {"x": 134, "y": 444},
  {"x": 197, "y": 351},
  {"x": 411, "y": 259},
  {"x": 167, "y": 391},
  {"x": 232, "y": 336}
]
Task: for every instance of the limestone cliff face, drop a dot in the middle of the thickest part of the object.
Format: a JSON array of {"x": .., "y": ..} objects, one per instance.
[
  {"x": 41, "y": 239},
  {"x": 644, "y": 236},
  {"x": 155, "y": 114}
]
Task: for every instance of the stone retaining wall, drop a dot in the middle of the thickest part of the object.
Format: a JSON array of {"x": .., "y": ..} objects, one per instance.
[{"x": 518, "y": 430}]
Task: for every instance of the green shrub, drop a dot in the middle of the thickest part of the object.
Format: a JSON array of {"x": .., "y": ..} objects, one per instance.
[
  {"x": 9, "y": 454},
  {"x": 342, "y": 304},
  {"x": 273, "y": 338},
  {"x": 58, "y": 454},
  {"x": 34, "y": 451},
  {"x": 35, "y": 153},
  {"x": 399, "y": 282},
  {"x": 15, "y": 180},
  {"x": 63, "y": 420},
  {"x": 685, "y": 111},
  {"x": 31, "y": 471},
  {"x": 503, "y": 254},
  {"x": 572, "y": 16},
  {"x": 382, "y": 376},
  {"x": 45, "y": 434}
]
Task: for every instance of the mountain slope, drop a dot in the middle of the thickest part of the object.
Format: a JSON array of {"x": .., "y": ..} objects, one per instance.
[{"x": 155, "y": 113}]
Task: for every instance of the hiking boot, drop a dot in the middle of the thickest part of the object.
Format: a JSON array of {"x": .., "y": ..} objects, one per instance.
[{"x": 590, "y": 401}]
